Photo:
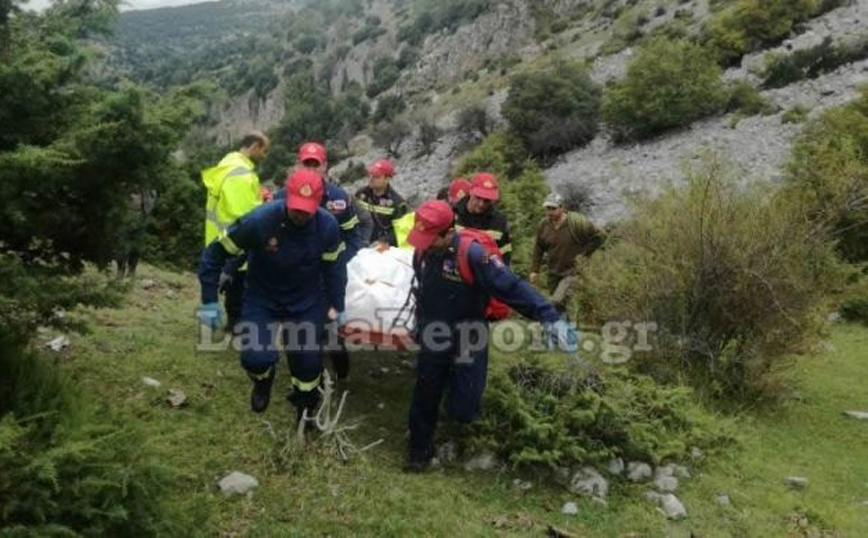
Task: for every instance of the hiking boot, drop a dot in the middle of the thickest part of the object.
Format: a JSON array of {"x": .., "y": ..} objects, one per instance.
[
  {"x": 305, "y": 401},
  {"x": 418, "y": 461},
  {"x": 341, "y": 363},
  {"x": 260, "y": 396}
]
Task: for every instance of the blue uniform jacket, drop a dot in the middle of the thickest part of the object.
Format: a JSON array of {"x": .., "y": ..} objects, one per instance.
[
  {"x": 337, "y": 202},
  {"x": 444, "y": 296},
  {"x": 290, "y": 268}
]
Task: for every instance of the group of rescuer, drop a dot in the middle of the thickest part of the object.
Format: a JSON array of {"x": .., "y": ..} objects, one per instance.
[{"x": 280, "y": 261}]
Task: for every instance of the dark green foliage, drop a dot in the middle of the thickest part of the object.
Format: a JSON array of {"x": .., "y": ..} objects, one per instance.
[
  {"x": 306, "y": 44},
  {"x": 553, "y": 111},
  {"x": 388, "y": 108},
  {"x": 668, "y": 84},
  {"x": 811, "y": 63},
  {"x": 430, "y": 16},
  {"x": 474, "y": 120},
  {"x": 829, "y": 175},
  {"x": 386, "y": 72},
  {"x": 370, "y": 30},
  {"x": 63, "y": 473},
  {"x": 735, "y": 279},
  {"x": 541, "y": 416},
  {"x": 855, "y": 305}
]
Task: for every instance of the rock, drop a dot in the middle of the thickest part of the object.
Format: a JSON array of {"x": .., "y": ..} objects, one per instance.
[
  {"x": 148, "y": 284},
  {"x": 522, "y": 485},
  {"x": 834, "y": 317},
  {"x": 672, "y": 507},
  {"x": 587, "y": 481},
  {"x": 562, "y": 475},
  {"x": 59, "y": 343},
  {"x": 653, "y": 496},
  {"x": 723, "y": 500},
  {"x": 237, "y": 483},
  {"x": 797, "y": 482},
  {"x": 682, "y": 472},
  {"x": 381, "y": 406},
  {"x": 638, "y": 471},
  {"x": 665, "y": 483},
  {"x": 447, "y": 452},
  {"x": 665, "y": 470},
  {"x": 171, "y": 294},
  {"x": 570, "y": 509},
  {"x": 481, "y": 462},
  {"x": 858, "y": 415},
  {"x": 384, "y": 371},
  {"x": 696, "y": 453},
  {"x": 176, "y": 398},
  {"x": 616, "y": 467},
  {"x": 150, "y": 382},
  {"x": 409, "y": 365}
]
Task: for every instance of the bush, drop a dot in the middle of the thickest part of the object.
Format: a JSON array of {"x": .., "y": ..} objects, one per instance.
[
  {"x": 386, "y": 73},
  {"x": 797, "y": 114},
  {"x": 539, "y": 416},
  {"x": 669, "y": 84},
  {"x": 746, "y": 25},
  {"x": 828, "y": 174},
  {"x": 811, "y": 63},
  {"x": 474, "y": 120},
  {"x": 555, "y": 110},
  {"x": 736, "y": 281},
  {"x": 64, "y": 473},
  {"x": 306, "y": 44},
  {"x": 747, "y": 101},
  {"x": 391, "y": 135},
  {"x": 388, "y": 108}
]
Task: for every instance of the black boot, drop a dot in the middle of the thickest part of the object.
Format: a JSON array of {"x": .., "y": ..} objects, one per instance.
[
  {"x": 341, "y": 362},
  {"x": 418, "y": 461},
  {"x": 260, "y": 396},
  {"x": 305, "y": 401}
]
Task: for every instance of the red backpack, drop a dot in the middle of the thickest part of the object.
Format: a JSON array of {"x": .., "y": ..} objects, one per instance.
[{"x": 495, "y": 310}]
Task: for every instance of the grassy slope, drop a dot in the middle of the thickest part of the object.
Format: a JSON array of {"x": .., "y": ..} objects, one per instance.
[{"x": 302, "y": 493}]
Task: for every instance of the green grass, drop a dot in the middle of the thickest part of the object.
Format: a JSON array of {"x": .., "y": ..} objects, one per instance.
[{"x": 310, "y": 492}]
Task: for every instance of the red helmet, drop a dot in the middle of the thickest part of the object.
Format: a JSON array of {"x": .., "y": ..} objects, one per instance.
[{"x": 382, "y": 168}]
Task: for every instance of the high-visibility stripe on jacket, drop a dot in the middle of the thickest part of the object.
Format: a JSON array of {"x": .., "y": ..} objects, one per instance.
[{"x": 233, "y": 191}]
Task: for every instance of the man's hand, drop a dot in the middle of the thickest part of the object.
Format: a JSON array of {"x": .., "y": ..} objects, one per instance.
[
  {"x": 533, "y": 277},
  {"x": 561, "y": 335},
  {"x": 210, "y": 315},
  {"x": 339, "y": 317}
]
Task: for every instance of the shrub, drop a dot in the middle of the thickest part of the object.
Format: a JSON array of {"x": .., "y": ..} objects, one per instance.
[
  {"x": 474, "y": 119},
  {"x": 797, "y": 114},
  {"x": 386, "y": 73},
  {"x": 747, "y": 100},
  {"x": 306, "y": 44},
  {"x": 669, "y": 84},
  {"x": 811, "y": 63},
  {"x": 388, "y": 108},
  {"x": 429, "y": 134},
  {"x": 828, "y": 173},
  {"x": 64, "y": 473},
  {"x": 555, "y": 110},
  {"x": 430, "y": 16},
  {"x": 745, "y": 25},
  {"x": 736, "y": 280},
  {"x": 536, "y": 415},
  {"x": 391, "y": 135}
]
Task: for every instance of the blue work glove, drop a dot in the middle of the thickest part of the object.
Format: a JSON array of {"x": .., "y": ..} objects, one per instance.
[
  {"x": 210, "y": 315},
  {"x": 561, "y": 335}
]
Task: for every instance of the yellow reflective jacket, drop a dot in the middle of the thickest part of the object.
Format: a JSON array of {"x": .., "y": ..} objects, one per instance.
[
  {"x": 233, "y": 191},
  {"x": 403, "y": 226}
]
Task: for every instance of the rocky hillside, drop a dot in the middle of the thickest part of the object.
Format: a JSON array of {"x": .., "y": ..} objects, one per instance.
[{"x": 439, "y": 61}]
